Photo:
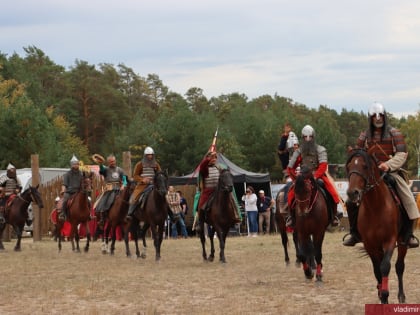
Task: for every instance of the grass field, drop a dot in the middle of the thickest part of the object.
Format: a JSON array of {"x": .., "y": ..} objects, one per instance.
[{"x": 255, "y": 280}]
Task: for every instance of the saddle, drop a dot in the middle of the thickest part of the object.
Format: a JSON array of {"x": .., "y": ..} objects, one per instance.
[
  {"x": 328, "y": 199},
  {"x": 392, "y": 185}
]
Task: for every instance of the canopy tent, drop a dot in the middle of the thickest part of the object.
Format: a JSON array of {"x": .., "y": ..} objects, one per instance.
[{"x": 241, "y": 178}]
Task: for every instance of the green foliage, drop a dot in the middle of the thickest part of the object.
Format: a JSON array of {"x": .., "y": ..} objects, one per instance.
[{"x": 104, "y": 109}]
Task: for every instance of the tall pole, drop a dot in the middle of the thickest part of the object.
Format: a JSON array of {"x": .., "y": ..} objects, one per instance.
[{"x": 37, "y": 213}]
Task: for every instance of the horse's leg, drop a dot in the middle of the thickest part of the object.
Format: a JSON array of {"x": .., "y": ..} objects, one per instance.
[
  {"x": 318, "y": 240},
  {"x": 77, "y": 238},
  {"x": 285, "y": 242},
  {"x": 73, "y": 235},
  {"x": 157, "y": 239},
  {"x": 305, "y": 256},
  {"x": 376, "y": 259},
  {"x": 295, "y": 241},
  {"x": 87, "y": 237},
  {"x": 385, "y": 269},
  {"x": 143, "y": 231},
  {"x": 135, "y": 233},
  {"x": 58, "y": 228},
  {"x": 113, "y": 238},
  {"x": 399, "y": 269},
  {"x": 203, "y": 240},
  {"x": 105, "y": 237},
  {"x": 211, "y": 238},
  {"x": 2, "y": 227},
  {"x": 18, "y": 230},
  {"x": 127, "y": 229},
  {"x": 221, "y": 234}
]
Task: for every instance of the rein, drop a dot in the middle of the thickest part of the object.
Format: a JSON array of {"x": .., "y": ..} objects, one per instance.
[
  {"x": 368, "y": 185},
  {"x": 297, "y": 200}
]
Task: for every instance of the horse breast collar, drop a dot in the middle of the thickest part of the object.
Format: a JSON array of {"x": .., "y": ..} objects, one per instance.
[{"x": 311, "y": 199}]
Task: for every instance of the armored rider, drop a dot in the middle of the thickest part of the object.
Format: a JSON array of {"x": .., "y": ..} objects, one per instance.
[
  {"x": 71, "y": 184},
  {"x": 143, "y": 175},
  {"x": 313, "y": 156},
  {"x": 392, "y": 155},
  {"x": 11, "y": 186},
  {"x": 114, "y": 178},
  {"x": 209, "y": 173}
]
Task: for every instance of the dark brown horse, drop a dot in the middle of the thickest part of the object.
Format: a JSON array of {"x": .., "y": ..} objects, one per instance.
[
  {"x": 17, "y": 213},
  {"x": 280, "y": 216},
  {"x": 154, "y": 215},
  {"x": 311, "y": 222},
  {"x": 379, "y": 221},
  {"x": 79, "y": 213},
  {"x": 116, "y": 218},
  {"x": 220, "y": 217}
]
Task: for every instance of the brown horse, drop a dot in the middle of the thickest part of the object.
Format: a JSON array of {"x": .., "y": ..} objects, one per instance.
[
  {"x": 79, "y": 213},
  {"x": 17, "y": 213},
  {"x": 220, "y": 217},
  {"x": 280, "y": 216},
  {"x": 380, "y": 222},
  {"x": 311, "y": 222},
  {"x": 154, "y": 215},
  {"x": 116, "y": 218}
]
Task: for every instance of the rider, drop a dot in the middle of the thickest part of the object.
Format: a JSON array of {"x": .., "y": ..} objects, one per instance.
[
  {"x": 209, "y": 172},
  {"x": 71, "y": 185},
  {"x": 11, "y": 187},
  {"x": 313, "y": 156},
  {"x": 114, "y": 177},
  {"x": 144, "y": 172},
  {"x": 393, "y": 156}
]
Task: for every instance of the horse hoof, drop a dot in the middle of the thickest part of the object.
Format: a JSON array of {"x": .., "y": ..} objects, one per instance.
[{"x": 17, "y": 249}]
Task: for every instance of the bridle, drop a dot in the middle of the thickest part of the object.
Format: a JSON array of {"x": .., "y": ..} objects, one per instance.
[
  {"x": 371, "y": 181},
  {"x": 312, "y": 197}
]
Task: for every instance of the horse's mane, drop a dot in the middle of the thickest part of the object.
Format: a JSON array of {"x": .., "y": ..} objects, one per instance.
[{"x": 359, "y": 152}]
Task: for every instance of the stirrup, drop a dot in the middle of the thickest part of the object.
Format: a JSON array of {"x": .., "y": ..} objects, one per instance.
[
  {"x": 2, "y": 220},
  {"x": 413, "y": 242},
  {"x": 351, "y": 241},
  {"x": 129, "y": 217}
]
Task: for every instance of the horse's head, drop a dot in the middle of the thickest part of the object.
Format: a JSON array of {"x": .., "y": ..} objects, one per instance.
[
  {"x": 36, "y": 196},
  {"x": 304, "y": 182},
  {"x": 362, "y": 174},
  {"x": 305, "y": 186},
  {"x": 160, "y": 183},
  {"x": 225, "y": 180},
  {"x": 86, "y": 184}
]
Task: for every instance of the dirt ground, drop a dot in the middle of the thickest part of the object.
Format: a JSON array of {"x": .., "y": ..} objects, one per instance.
[{"x": 255, "y": 280}]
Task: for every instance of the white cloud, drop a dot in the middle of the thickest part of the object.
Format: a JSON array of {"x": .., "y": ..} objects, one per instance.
[{"x": 342, "y": 54}]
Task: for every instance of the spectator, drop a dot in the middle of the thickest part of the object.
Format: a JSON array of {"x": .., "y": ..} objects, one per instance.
[
  {"x": 285, "y": 149},
  {"x": 174, "y": 201},
  {"x": 264, "y": 205},
  {"x": 250, "y": 200}
]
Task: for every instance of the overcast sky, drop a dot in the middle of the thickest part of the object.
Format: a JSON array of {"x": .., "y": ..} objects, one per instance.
[{"x": 342, "y": 54}]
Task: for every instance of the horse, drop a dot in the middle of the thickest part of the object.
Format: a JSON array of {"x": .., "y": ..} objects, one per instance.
[
  {"x": 116, "y": 218},
  {"x": 220, "y": 216},
  {"x": 78, "y": 213},
  {"x": 380, "y": 222},
  {"x": 16, "y": 214},
  {"x": 154, "y": 215},
  {"x": 311, "y": 222},
  {"x": 280, "y": 217}
]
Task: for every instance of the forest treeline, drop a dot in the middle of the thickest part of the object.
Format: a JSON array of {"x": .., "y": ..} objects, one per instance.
[{"x": 56, "y": 112}]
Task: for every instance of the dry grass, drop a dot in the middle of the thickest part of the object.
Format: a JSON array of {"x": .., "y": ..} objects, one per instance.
[{"x": 39, "y": 280}]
